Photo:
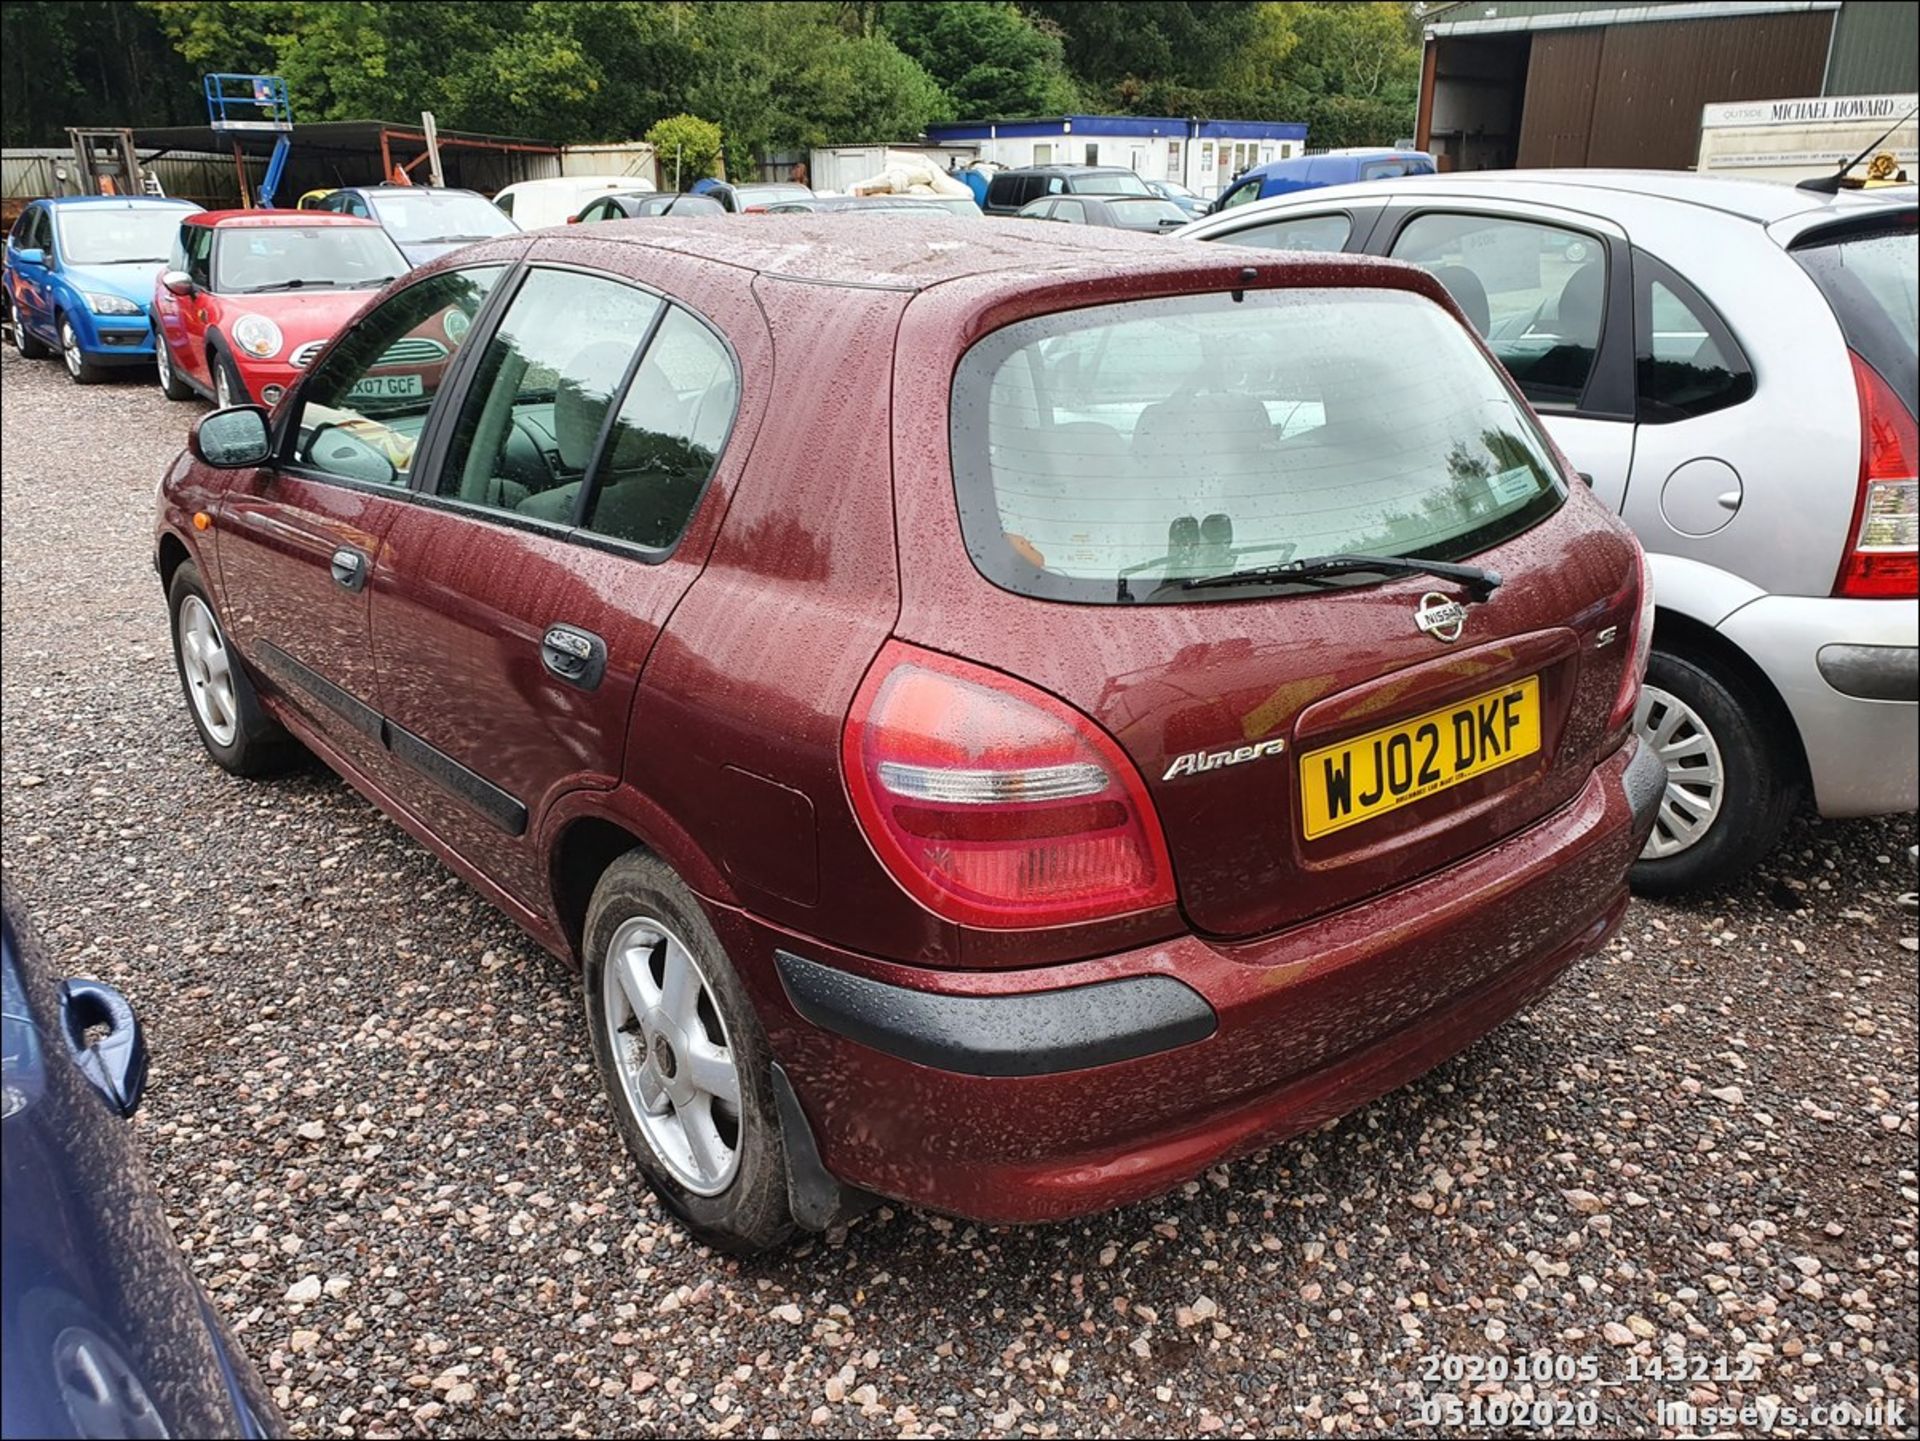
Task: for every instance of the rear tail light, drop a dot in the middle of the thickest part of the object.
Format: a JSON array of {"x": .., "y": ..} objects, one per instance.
[
  {"x": 992, "y": 803},
  {"x": 1883, "y": 557},
  {"x": 1640, "y": 646}
]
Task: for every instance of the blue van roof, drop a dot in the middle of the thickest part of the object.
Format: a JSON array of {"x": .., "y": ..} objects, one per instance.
[{"x": 1298, "y": 167}]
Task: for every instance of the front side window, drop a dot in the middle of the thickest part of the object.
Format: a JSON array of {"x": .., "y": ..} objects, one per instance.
[
  {"x": 1307, "y": 232},
  {"x": 199, "y": 244},
  {"x": 1240, "y": 195},
  {"x": 1686, "y": 362},
  {"x": 257, "y": 259},
  {"x": 110, "y": 234},
  {"x": 1538, "y": 293},
  {"x": 363, "y": 408},
  {"x": 1100, "y": 453}
]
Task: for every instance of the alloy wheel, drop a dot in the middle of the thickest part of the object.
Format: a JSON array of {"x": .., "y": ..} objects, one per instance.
[
  {"x": 671, "y": 1049},
  {"x": 209, "y": 670},
  {"x": 163, "y": 362},
  {"x": 70, "y": 349},
  {"x": 1696, "y": 775}
]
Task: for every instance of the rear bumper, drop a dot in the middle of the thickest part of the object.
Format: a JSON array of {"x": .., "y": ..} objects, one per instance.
[
  {"x": 1849, "y": 671},
  {"x": 1044, "y": 1094}
]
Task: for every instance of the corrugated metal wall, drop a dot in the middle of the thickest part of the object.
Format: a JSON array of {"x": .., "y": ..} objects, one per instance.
[
  {"x": 1630, "y": 95},
  {"x": 1563, "y": 76},
  {"x": 1876, "y": 49},
  {"x": 1654, "y": 79}
]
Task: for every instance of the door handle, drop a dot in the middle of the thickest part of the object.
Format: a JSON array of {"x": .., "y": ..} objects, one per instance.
[
  {"x": 350, "y": 568},
  {"x": 576, "y": 656}
]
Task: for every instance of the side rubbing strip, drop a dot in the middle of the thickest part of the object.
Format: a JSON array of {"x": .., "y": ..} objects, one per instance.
[
  {"x": 361, "y": 716},
  {"x": 470, "y": 786},
  {"x": 476, "y": 790},
  {"x": 1034, "y": 1034}
]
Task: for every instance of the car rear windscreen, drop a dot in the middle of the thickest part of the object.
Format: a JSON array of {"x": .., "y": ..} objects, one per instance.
[
  {"x": 1164, "y": 440},
  {"x": 1868, "y": 277}
]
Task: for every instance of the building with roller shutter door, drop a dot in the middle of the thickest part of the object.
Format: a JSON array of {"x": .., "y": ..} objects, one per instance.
[{"x": 1508, "y": 83}]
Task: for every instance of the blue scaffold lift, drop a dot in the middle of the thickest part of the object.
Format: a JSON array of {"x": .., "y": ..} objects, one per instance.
[{"x": 240, "y": 105}]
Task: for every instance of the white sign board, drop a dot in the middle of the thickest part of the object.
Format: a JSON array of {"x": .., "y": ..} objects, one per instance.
[{"x": 1798, "y": 139}]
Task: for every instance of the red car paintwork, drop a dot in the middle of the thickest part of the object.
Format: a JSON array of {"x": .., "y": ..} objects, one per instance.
[
  {"x": 193, "y": 326},
  {"x": 1337, "y": 969}
]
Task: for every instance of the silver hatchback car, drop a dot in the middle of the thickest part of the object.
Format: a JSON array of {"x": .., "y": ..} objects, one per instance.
[{"x": 1732, "y": 365}]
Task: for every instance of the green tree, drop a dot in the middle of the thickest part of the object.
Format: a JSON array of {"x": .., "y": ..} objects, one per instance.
[
  {"x": 1185, "y": 42},
  {"x": 87, "y": 62},
  {"x": 991, "y": 59},
  {"x": 686, "y": 147}
]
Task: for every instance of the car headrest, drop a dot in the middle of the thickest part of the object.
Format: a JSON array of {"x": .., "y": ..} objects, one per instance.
[
  {"x": 1578, "y": 313},
  {"x": 581, "y": 396},
  {"x": 1468, "y": 293}
]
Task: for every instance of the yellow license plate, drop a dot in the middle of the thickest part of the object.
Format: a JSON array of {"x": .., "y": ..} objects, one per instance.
[{"x": 1356, "y": 780}]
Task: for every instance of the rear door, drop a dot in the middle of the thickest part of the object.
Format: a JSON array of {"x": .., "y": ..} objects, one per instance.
[
  {"x": 1306, "y": 744},
  {"x": 555, "y": 530}
]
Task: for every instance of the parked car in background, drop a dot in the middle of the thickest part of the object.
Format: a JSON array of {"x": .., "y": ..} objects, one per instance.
[
  {"x": 959, "y": 205},
  {"x": 1114, "y": 212},
  {"x": 1310, "y": 172},
  {"x": 1241, "y": 570},
  {"x": 1009, "y": 190},
  {"x": 103, "y": 1330},
  {"x": 1193, "y": 204},
  {"x": 534, "y": 204},
  {"x": 424, "y": 223},
  {"x": 648, "y": 205},
  {"x": 311, "y": 199},
  {"x": 737, "y": 199},
  {"x": 250, "y": 296},
  {"x": 79, "y": 274},
  {"x": 1732, "y": 364}
]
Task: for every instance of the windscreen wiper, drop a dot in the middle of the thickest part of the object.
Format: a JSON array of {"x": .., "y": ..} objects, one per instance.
[{"x": 1480, "y": 583}]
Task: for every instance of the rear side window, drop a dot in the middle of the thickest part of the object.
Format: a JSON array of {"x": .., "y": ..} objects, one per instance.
[
  {"x": 1309, "y": 232},
  {"x": 1101, "y": 452},
  {"x": 1538, "y": 293},
  {"x": 1686, "y": 362},
  {"x": 1869, "y": 280}
]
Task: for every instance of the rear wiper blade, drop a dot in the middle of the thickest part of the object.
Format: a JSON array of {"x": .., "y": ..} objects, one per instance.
[{"x": 1479, "y": 582}]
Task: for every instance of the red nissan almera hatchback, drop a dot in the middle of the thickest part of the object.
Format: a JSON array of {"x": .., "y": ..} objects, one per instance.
[
  {"x": 249, "y": 297},
  {"x": 1000, "y": 722}
]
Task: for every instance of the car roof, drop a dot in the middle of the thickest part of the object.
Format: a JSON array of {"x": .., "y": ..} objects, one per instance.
[
  {"x": 1066, "y": 168},
  {"x": 408, "y": 190},
  {"x": 269, "y": 219},
  {"x": 1300, "y": 164},
  {"x": 914, "y": 254},
  {"x": 1614, "y": 194},
  {"x": 569, "y": 182},
  {"x": 125, "y": 202}
]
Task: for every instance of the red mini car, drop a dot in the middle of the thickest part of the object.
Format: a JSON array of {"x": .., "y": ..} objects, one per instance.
[
  {"x": 249, "y": 297},
  {"x": 1000, "y": 721}
]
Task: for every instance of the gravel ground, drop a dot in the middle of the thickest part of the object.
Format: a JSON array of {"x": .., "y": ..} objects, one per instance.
[{"x": 375, "y": 1125}]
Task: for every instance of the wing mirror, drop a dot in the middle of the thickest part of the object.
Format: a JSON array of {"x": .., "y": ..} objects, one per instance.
[
  {"x": 232, "y": 439},
  {"x": 31, "y": 255},
  {"x": 115, "y": 1060},
  {"x": 178, "y": 281}
]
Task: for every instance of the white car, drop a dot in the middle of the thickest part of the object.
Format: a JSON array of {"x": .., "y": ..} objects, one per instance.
[
  {"x": 1732, "y": 364},
  {"x": 534, "y": 204}
]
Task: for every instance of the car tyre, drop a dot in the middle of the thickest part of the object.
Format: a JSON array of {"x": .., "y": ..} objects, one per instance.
[
  {"x": 171, "y": 385},
  {"x": 1721, "y": 768},
  {"x": 228, "y": 388},
  {"x": 643, "y": 930},
  {"x": 83, "y": 371},
  {"x": 234, "y": 727},
  {"x": 30, "y": 346}
]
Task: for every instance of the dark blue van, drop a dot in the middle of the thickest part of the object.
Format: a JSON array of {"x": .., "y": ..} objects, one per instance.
[{"x": 1309, "y": 172}]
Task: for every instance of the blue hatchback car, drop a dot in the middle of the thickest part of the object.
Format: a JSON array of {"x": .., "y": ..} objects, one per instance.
[
  {"x": 79, "y": 278},
  {"x": 1309, "y": 172},
  {"x": 104, "y": 1331}
]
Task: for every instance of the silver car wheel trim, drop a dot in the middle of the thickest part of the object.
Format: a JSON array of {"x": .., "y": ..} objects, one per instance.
[
  {"x": 70, "y": 349},
  {"x": 674, "y": 1058},
  {"x": 1696, "y": 775},
  {"x": 209, "y": 670},
  {"x": 163, "y": 361},
  {"x": 222, "y": 387}
]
